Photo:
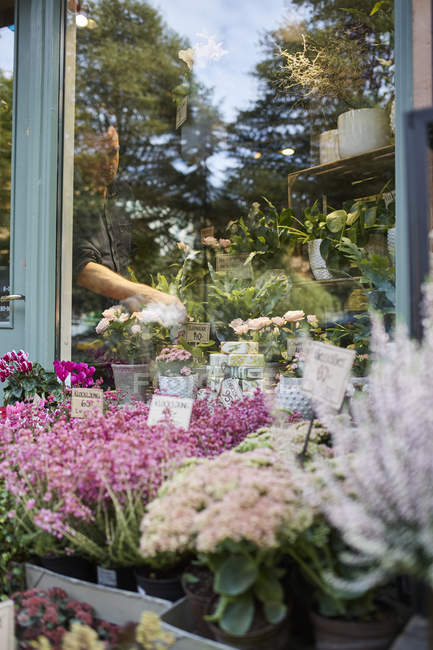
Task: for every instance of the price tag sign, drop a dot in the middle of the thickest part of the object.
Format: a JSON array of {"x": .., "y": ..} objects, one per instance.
[
  {"x": 326, "y": 372},
  {"x": 207, "y": 232},
  {"x": 7, "y": 632},
  {"x": 230, "y": 391},
  {"x": 179, "y": 409},
  {"x": 234, "y": 264},
  {"x": 181, "y": 112},
  {"x": 197, "y": 332},
  {"x": 85, "y": 401}
]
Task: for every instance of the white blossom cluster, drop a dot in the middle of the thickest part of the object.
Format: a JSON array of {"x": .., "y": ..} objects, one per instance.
[
  {"x": 165, "y": 315},
  {"x": 384, "y": 505}
]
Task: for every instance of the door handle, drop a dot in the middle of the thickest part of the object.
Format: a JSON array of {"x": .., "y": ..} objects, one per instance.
[{"x": 13, "y": 296}]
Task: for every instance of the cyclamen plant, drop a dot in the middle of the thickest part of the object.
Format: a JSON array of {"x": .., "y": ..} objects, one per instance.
[
  {"x": 174, "y": 361},
  {"x": 80, "y": 373},
  {"x": 26, "y": 379}
]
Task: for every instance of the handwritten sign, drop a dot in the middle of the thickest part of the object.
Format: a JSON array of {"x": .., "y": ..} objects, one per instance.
[
  {"x": 7, "y": 632},
  {"x": 181, "y": 112},
  {"x": 234, "y": 264},
  {"x": 207, "y": 232},
  {"x": 85, "y": 401},
  {"x": 230, "y": 391},
  {"x": 178, "y": 408},
  {"x": 197, "y": 332},
  {"x": 326, "y": 372}
]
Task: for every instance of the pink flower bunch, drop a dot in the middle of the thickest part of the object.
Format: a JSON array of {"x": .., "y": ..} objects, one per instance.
[
  {"x": 50, "y": 614},
  {"x": 241, "y": 327},
  {"x": 81, "y": 374},
  {"x": 14, "y": 361},
  {"x": 174, "y": 361},
  {"x": 216, "y": 243},
  {"x": 174, "y": 353},
  {"x": 60, "y": 473},
  {"x": 241, "y": 497}
]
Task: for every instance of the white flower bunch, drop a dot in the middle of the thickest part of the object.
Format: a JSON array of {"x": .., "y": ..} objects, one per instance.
[{"x": 166, "y": 315}]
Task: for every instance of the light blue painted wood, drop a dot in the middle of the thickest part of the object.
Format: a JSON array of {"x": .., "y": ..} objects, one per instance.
[
  {"x": 404, "y": 102},
  {"x": 35, "y": 181}
]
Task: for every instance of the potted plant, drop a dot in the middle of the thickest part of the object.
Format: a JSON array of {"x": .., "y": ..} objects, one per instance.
[
  {"x": 233, "y": 511},
  {"x": 25, "y": 379},
  {"x": 174, "y": 365}
]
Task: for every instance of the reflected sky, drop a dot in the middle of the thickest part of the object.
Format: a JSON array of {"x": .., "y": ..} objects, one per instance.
[
  {"x": 238, "y": 26},
  {"x": 6, "y": 50}
]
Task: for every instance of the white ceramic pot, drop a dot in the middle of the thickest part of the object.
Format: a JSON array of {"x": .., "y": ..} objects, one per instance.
[
  {"x": 178, "y": 385},
  {"x": 329, "y": 146},
  {"x": 132, "y": 380},
  {"x": 362, "y": 130},
  {"x": 317, "y": 263},
  {"x": 290, "y": 395}
]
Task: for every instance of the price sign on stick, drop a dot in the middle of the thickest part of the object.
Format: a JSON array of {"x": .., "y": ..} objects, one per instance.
[
  {"x": 7, "y": 633},
  {"x": 197, "y": 332},
  {"x": 179, "y": 409},
  {"x": 326, "y": 372},
  {"x": 85, "y": 401}
]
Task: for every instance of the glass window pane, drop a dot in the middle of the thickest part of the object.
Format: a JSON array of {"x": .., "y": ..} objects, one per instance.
[
  {"x": 6, "y": 92},
  {"x": 241, "y": 159}
]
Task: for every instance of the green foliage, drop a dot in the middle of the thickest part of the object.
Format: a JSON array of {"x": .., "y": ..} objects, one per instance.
[
  {"x": 12, "y": 548},
  {"x": 24, "y": 385},
  {"x": 312, "y": 226},
  {"x": 245, "y": 578}
]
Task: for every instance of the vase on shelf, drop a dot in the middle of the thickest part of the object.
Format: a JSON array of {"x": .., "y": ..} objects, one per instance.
[
  {"x": 362, "y": 130},
  {"x": 317, "y": 263},
  {"x": 177, "y": 385},
  {"x": 132, "y": 380}
]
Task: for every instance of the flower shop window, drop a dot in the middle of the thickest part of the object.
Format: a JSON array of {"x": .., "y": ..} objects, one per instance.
[{"x": 235, "y": 168}]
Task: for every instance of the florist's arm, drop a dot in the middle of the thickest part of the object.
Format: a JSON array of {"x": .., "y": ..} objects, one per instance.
[{"x": 102, "y": 280}]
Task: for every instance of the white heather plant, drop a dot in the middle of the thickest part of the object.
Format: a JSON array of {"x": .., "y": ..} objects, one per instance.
[{"x": 384, "y": 506}]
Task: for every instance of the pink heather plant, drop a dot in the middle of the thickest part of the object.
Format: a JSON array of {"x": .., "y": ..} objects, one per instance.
[
  {"x": 67, "y": 473},
  {"x": 384, "y": 507}
]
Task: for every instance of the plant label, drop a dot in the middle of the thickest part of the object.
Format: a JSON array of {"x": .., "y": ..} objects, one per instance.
[
  {"x": 326, "y": 372},
  {"x": 7, "y": 631},
  {"x": 207, "y": 232},
  {"x": 178, "y": 408},
  {"x": 234, "y": 265},
  {"x": 85, "y": 401},
  {"x": 230, "y": 391},
  {"x": 181, "y": 112},
  {"x": 197, "y": 332},
  {"x": 106, "y": 577}
]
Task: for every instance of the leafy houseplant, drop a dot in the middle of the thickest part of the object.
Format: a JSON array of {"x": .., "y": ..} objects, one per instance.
[{"x": 233, "y": 512}]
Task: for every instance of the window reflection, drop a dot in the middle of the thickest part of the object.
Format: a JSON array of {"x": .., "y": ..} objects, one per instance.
[{"x": 189, "y": 117}]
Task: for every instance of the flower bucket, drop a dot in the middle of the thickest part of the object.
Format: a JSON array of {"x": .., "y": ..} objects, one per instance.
[
  {"x": 317, "y": 263},
  {"x": 133, "y": 380},
  {"x": 178, "y": 385},
  {"x": 290, "y": 395},
  {"x": 362, "y": 130}
]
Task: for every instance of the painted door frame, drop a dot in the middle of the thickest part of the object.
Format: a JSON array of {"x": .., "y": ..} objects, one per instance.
[{"x": 36, "y": 177}]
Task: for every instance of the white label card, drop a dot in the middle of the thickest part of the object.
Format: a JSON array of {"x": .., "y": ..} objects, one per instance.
[
  {"x": 230, "y": 391},
  {"x": 326, "y": 372},
  {"x": 106, "y": 577},
  {"x": 85, "y": 401},
  {"x": 179, "y": 409},
  {"x": 7, "y": 632},
  {"x": 181, "y": 112},
  {"x": 234, "y": 264},
  {"x": 197, "y": 332}
]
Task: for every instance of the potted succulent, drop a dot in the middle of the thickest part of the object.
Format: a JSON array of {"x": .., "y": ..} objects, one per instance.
[{"x": 233, "y": 512}]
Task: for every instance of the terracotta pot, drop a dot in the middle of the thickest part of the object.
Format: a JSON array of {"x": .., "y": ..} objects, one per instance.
[{"x": 337, "y": 634}]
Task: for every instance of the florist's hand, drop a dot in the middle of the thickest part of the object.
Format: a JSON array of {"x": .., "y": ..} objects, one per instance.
[{"x": 146, "y": 295}]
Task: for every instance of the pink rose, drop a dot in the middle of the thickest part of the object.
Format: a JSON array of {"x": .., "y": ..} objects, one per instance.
[
  {"x": 258, "y": 323},
  {"x": 122, "y": 318},
  {"x": 185, "y": 371},
  {"x": 102, "y": 325},
  {"x": 109, "y": 314},
  {"x": 292, "y": 316},
  {"x": 182, "y": 246},
  {"x": 210, "y": 241},
  {"x": 224, "y": 243},
  {"x": 241, "y": 329},
  {"x": 136, "y": 329},
  {"x": 278, "y": 320},
  {"x": 312, "y": 319},
  {"x": 237, "y": 322}
]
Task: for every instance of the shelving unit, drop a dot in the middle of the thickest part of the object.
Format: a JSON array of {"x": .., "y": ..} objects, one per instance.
[{"x": 347, "y": 178}]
